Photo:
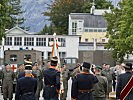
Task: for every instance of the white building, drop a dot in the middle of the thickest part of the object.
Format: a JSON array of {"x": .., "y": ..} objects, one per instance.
[
  {"x": 80, "y": 23},
  {"x": 19, "y": 39}
]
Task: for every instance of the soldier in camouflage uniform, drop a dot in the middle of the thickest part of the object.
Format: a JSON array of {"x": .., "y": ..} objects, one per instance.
[
  {"x": 65, "y": 76},
  {"x": 39, "y": 77},
  {"x": 19, "y": 69},
  {"x": 108, "y": 74},
  {"x": 76, "y": 70},
  {"x": 100, "y": 88},
  {"x": 7, "y": 85}
]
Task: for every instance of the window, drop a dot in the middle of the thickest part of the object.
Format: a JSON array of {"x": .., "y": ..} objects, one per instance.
[
  {"x": 104, "y": 30},
  {"x": 62, "y": 55},
  {"x": 99, "y": 30},
  {"x": 40, "y": 41},
  {"x": 18, "y": 41},
  {"x": 27, "y": 56},
  {"x": 86, "y": 30},
  {"x": 103, "y": 40},
  {"x": 86, "y": 40},
  {"x": 28, "y": 41},
  {"x": 90, "y": 30},
  {"x": 62, "y": 41},
  {"x": 73, "y": 61},
  {"x": 95, "y": 30},
  {"x": 74, "y": 28},
  {"x": 49, "y": 55},
  {"x": 49, "y": 40},
  {"x": 13, "y": 58},
  {"x": 42, "y": 55},
  {"x": 8, "y": 41}
]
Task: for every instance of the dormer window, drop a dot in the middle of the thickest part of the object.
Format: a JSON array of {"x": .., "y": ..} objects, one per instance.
[{"x": 74, "y": 28}]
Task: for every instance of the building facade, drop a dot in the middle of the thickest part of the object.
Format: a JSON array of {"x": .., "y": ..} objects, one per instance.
[
  {"x": 18, "y": 39},
  {"x": 90, "y": 26}
]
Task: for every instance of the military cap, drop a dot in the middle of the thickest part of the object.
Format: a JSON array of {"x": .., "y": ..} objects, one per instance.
[
  {"x": 128, "y": 66},
  {"x": 28, "y": 65},
  {"x": 35, "y": 64},
  {"x": 86, "y": 65},
  {"x": 20, "y": 64},
  {"x": 99, "y": 67},
  {"x": 54, "y": 58},
  {"x": 54, "y": 61},
  {"x": 6, "y": 64}
]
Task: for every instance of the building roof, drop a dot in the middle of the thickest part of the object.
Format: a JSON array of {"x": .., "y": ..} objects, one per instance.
[
  {"x": 16, "y": 31},
  {"x": 90, "y": 21}
]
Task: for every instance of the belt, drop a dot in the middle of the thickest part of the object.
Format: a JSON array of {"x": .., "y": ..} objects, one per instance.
[
  {"x": 28, "y": 93},
  {"x": 85, "y": 91},
  {"x": 50, "y": 85}
]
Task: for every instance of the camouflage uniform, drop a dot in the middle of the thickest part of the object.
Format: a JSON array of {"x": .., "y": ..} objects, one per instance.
[
  {"x": 108, "y": 74},
  {"x": 39, "y": 75},
  {"x": 100, "y": 88},
  {"x": 7, "y": 86},
  {"x": 65, "y": 76}
]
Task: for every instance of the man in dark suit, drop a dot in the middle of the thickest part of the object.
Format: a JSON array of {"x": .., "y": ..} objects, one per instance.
[
  {"x": 123, "y": 81},
  {"x": 51, "y": 81},
  {"x": 83, "y": 83},
  {"x": 26, "y": 87}
]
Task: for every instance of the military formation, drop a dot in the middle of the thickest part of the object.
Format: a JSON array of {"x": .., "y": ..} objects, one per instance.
[{"x": 89, "y": 81}]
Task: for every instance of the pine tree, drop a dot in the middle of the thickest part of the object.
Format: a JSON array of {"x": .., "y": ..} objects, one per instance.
[{"x": 9, "y": 10}]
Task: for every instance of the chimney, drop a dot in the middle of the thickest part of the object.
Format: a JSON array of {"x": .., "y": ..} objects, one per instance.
[{"x": 92, "y": 8}]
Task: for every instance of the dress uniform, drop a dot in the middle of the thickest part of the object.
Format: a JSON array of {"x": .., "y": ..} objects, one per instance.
[
  {"x": 39, "y": 77},
  {"x": 51, "y": 81},
  {"x": 83, "y": 83},
  {"x": 100, "y": 88},
  {"x": 7, "y": 84},
  {"x": 27, "y": 66},
  {"x": 123, "y": 80},
  {"x": 26, "y": 87}
]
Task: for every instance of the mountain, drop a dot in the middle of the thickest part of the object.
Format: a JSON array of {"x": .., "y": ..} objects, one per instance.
[
  {"x": 33, "y": 13},
  {"x": 33, "y": 10}
]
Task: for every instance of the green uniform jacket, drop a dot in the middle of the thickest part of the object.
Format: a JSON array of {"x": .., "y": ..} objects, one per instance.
[
  {"x": 101, "y": 88},
  {"x": 108, "y": 75}
]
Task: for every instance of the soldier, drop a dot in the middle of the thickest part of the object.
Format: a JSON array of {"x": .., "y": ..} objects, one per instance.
[
  {"x": 83, "y": 83},
  {"x": 66, "y": 76},
  {"x": 39, "y": 77},
  {"x": 76, "y": 70},
  {"x": 22, "y": 73},
  {"x": 7, "y": 84},
  {"x": 26, "y": 87},
  {"x": 51, "y": 81},
  {"x": 1, "y": 78},
  {"x": 108, "y": 74},
  {"x": 101, "y": 88},
  {"x": 123, "y": 81},
  {"x": 20, "y": 69}
]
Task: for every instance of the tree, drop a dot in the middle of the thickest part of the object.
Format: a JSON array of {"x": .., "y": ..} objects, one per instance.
[
  {"x": 120, "y": 30},
  {"x": 9, "y": 10},
  {"x": 15, "y": 13},
  {"x": 99, "y": 4},
  {"x": 59, "y": 13},
  {"x": 47, "y": 29},
  {"x": 60, "y": 9},
  {"x": 4, "y": 16}
]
